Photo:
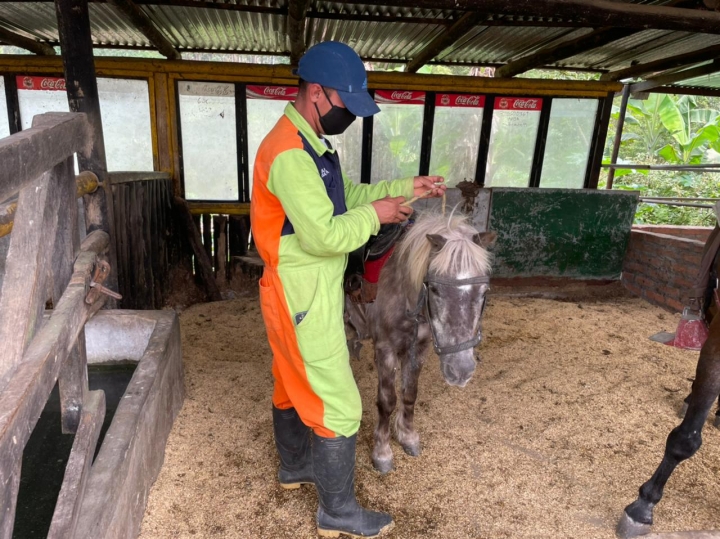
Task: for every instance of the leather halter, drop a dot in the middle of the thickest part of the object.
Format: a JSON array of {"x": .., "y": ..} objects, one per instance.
[{"x": 424, "y": 303}]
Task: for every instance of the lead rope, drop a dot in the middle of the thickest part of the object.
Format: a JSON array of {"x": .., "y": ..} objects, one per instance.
[{"x": 415, "y": 315}]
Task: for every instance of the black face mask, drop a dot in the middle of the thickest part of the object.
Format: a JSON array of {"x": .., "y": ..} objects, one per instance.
[{"x": 336, "y": 120}]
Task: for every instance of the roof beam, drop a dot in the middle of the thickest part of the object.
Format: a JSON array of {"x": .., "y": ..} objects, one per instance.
[
  {"x": 593, "y": 13},
  {"x": 676, "y": 76},
  {"x": 16, "y": 40},
  {"x": 549, "y": 55},
  {"x": 449, "y": 36},
  {"x": 297, "y": 15},
  {"x": 145, "y": 26},
  {"x": 687, "y": 59}
]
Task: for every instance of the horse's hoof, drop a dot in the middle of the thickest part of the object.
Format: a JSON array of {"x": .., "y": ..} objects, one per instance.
[
  {"x": 627, "y": 527},
  {"x": 683, "y": 410},
  {"x": 412, "y": 449},
  {"x": 383, "y": 466}
]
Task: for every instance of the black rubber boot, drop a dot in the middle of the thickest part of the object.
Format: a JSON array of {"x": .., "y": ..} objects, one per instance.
[
  {"x": 339, "y": 512},
  {"x": 292, "y": 439}
]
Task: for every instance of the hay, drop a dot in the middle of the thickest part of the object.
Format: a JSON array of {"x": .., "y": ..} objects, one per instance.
[{"x": 564, "y": 419}]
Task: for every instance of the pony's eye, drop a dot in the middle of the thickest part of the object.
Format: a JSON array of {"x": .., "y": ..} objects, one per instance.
[{"x": 432, "y": 289}]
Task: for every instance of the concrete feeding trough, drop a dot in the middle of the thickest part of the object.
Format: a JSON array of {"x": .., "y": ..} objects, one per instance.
[{"x": 133, "y": 449}]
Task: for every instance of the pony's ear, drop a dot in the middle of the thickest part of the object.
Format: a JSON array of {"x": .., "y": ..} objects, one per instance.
[
  {"x": 485, "y": 239},
  {"x": 437, "y": 241}
]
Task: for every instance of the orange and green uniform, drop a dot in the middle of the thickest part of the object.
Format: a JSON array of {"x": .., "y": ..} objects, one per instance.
[{"x": 306, "y": 216}]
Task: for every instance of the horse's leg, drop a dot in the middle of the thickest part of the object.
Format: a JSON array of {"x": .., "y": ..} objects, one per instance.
[
  {"x": 386, "y": 363},
  {"x": 682, "y": 443},
  {"x": 407, "y": 436}
]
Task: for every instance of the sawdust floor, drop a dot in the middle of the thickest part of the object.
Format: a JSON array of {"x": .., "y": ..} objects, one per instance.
[{"x": 566, "y": 416}]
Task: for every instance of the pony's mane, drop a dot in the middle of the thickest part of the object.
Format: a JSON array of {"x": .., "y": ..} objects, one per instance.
[{"x": 459, "y": 256}]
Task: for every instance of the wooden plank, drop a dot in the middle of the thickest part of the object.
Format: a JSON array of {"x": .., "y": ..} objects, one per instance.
[
  {"x": 133, "y": 451},
  {"x": 202, "y": 260},
  {"x": 296, "y": 19},
  {"x": 226, "y": 208},
  {"x": 16, "y": 40},
  {"x": 25, "y": 396},
  {"x": 137, "y": 18},
  {"x": 675, "y": 76},
  {"x": 28, "y": 154},
  {"x": 221, "y": 248},
  {"x": 164, "y": 143},
  {"x": 72, "y": 381},
  {"x": 235, "y": 234},
  {"x": 207, "y": 235},
  {"x": 29, "y": 257},
  {"x": 595, "y": 13},
  {"x": 458, "y": 29},
  {"x": 73, "y": 21},
  {"x": 8, "y": 500},
  {"x": 671, "y": 62},
  {"x": 67, "y": 508}
]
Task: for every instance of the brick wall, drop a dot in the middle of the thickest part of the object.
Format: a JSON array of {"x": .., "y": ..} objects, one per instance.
[{"x": 660, "y": 265}]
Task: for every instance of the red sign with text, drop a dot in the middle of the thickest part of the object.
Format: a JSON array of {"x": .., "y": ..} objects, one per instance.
[
  {"x": 402, "y": 97},
  {"x": 278, "y": 93},
  {"x": 459, "y": 100},
  {"x": 530, "y": 104},
  {"x": 40, "y": 83}
]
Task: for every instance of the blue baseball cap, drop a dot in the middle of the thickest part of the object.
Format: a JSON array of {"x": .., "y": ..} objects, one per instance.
[{"x": 335, "y": 65}]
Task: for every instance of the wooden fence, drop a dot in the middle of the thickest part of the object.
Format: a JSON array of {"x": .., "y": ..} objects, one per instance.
[
  {"x": 46, "y": 262},
  {"x": 147, "y": 239}
]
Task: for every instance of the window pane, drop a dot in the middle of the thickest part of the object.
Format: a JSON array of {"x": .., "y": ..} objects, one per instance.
[
  {"x": 125, "y": 109},
  {"x": 265, "y": 106},
  {"x": 207, "y": 123},
  {"x": 38, "y": 95},
  {"x": 512, "y": 141},
  {"x": 4, "y": 121},
  {"x": 349, "y": 148},
  {"x": 397, "y": 133},
  {"x": 568, "y": 143},
  {"x": 456, "y": 136}
]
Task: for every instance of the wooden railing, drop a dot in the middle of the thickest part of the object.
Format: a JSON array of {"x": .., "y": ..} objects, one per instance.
[{"x": 46, "y": 262}]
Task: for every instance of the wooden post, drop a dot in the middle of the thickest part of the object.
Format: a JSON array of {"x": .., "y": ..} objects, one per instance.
[
  {"x": 81, "y": 83},
  {"x": 220, "y": 225},
  {"x": 202, "y": 260},
  {"x": 618, "y": 135}
]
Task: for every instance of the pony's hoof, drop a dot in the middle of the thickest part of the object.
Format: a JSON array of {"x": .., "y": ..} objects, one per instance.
[
  {"x": 383, "y": 466},
  {"x": 683, "y": 410},
  {"x": 627, "y": 527},
  {"x": 413, "y": 450}
]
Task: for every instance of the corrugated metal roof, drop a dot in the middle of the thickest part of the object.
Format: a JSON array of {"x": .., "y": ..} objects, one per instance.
[
  {"x": 378, "y": 32},
  {"x": 711, "y": 81}
]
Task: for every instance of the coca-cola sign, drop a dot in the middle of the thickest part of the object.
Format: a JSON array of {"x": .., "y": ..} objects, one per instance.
[
  {"x": 459, "y": 100},
  {"x": 280, "y": 93},
  {"x": 25, "y": 82},
  {"x": 405, "y": 97},
  {"x": 531, "y": 104}
]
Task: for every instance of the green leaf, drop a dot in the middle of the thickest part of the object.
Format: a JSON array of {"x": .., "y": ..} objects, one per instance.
[{"x": 669, "y": 154}]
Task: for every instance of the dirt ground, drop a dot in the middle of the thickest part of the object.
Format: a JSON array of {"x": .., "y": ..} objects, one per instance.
[{"x": 566, "y": 416}]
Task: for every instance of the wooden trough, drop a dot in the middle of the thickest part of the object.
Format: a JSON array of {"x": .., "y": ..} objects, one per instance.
[{"x": 43, "y": 263}]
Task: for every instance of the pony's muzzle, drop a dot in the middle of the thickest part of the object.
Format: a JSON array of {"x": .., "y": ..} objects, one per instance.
[{"x": 458, "y": 368}]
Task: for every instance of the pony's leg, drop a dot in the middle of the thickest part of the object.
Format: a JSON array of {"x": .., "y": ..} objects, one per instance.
[
  {"x": 682, "y": 443},
  {"x": 385, "y": 362},
  {"x": 355, "y": 326},
  {"x": 405, "y": 431}
]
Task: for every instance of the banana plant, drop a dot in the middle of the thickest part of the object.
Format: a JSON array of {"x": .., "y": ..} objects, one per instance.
[{"x": 690, "y": 142}]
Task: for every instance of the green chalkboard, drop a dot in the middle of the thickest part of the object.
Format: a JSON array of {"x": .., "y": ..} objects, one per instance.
[{"x": 580, "y": 234}]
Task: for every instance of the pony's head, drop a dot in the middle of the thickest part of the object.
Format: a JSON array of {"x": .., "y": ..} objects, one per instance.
[{"x": 449, "y": 258}]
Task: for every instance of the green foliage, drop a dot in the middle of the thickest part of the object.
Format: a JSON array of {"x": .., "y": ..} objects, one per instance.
[{"x": 667, "y": 129}]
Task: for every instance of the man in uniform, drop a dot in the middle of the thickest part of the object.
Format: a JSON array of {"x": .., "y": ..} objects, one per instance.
[{"x": 306, "y": 216}]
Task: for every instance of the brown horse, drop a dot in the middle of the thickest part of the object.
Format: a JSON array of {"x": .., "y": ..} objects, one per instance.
[
  {"x": 685, "y": 439},
  {"x": 431, "y": 290}
]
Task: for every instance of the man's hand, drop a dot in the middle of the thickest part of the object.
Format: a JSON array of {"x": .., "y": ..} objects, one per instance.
[
  {"x": 423, "y": 184},
  {"x": 390, "y": 210}
]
